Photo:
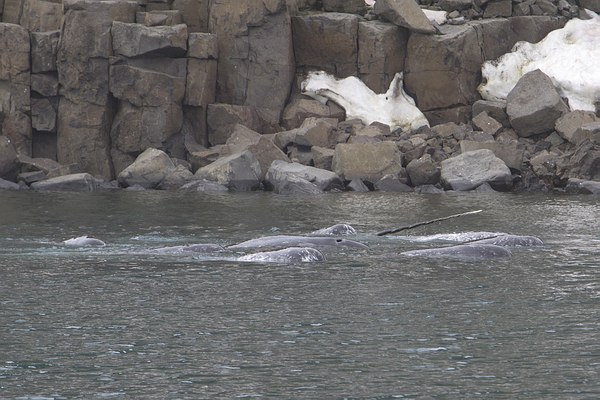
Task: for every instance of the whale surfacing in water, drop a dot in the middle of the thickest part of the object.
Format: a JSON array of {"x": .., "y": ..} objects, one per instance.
[
  {"x": 83, "y": 241},
  {"x": 512, "y": 241},
  {"x": 191, "y": 249},
  {"x": 335, "y": 230},
  {"x": 287, "y": 255},
  {"x": 282, "y": 241},
  {"x": 462, "y": 252}
]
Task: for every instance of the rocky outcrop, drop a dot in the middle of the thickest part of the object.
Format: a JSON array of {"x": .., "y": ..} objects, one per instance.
[
  {"x": 281, "y": 174},
  {"x": 239, "y": 172},
  {"x": 86, "y": 108},
  {"x": 82, "y": 182},
  {"x": 148, "y": 171},
  {"x": 255, "y": 54},
  {"x": 534, "y": 105},
  {"x": 405, "y": 13},
  {"x": 367, "y": 161},
  {"x": 474, "y": 168},
  {"x": 15, "y": 70},
  {"x": 443, "y": 71},
  {"x": 8, "y": 159},
  {"x": 214, "y": 87}
]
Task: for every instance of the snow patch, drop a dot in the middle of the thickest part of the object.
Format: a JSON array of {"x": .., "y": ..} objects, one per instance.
[
  {"x": 570, "y": 56},
  {"x": 394, "y": 107}
]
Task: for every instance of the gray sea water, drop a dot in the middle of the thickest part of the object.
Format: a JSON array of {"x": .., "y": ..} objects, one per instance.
[{"x": 121, "y": 322}]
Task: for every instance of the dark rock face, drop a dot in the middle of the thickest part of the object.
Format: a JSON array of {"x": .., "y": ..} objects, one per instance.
[
  {"x": 327, "y": 42},
  {"x": 255, "y": 54},
  {"x": 212, "y": 87}
]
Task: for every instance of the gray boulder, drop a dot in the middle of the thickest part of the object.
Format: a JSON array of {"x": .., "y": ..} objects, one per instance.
[
  {"x": 585, "y": 162},
  {"x": 45, "y": 165},
  {"x": 326, "y": 41},
  {"x": 498, "y": 8},
  {"x": 239, "y": 172},
  {"x": 8, "y": 185},
  {"x": 474, "y": 168},
  {"x": 543, "y": 165},
  {"x": 256, "y": 58},
  {"x": 569, "y": 123},
  {"x": 483, "y": 122},
  {"x": 176, "y": 178},
  {"x": 423, "y": 171},
  {"x": 443, "y": 71},
  {"x": 367, "y": 161},
  {"x": 81, "y": 182},
  {"x": 148, "y": 171},
  {"x": 8, "y": 159},
  {"x": 391, "y": 183},
  {"x": 281, "y": 171},
  {"x": 261, "y": 146},
  {"x": 381, "y": 53},
  {"x": 300, "y": 108},
  {"x": 221, "y": 118},
  {"x": 590, "y": 131},
  {"x": 203, "y": 186},
  {"x": 580, "y": 186},
  {"x": 534, "y": 104},
  {"x": 494, "y": 109},
  {"x": 320, "y": 132},
  {"x": 293, "y": 185},
  {"x": 357, "y": 185},
  {"x": 511, "y": 152},
  {"x": 405, "y": 13},
  {"x": 322, "y": 157}
]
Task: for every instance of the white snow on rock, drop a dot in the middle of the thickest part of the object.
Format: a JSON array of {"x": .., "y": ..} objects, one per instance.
[
  {"x": 569, "y": 56},
  {"x": 439, "y": 17},
  {"x": 394, "y": 107}
]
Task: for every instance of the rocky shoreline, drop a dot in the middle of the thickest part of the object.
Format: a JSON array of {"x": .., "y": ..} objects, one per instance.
[{"x": 205, "y": 96}]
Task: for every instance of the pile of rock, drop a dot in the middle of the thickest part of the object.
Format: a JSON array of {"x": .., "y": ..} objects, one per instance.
[{"x": 190, "y": 95}]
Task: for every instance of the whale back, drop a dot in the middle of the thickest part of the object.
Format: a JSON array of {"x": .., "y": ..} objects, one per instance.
[
  {"x": 282, "y": 241},
  {"x": 512, "y": 241},
  {"x": 463, "y": 252},
  {"x": 287, "y": 255}
]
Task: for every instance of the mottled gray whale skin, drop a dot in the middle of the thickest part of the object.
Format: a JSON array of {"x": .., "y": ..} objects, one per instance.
[
  {"x": 83, "y": 241},
  {"x": 512, "y": 241},
  {"x": 287, "y": 255},
  {"x": 335, "y": 230},
  {"x": 201, "y": 248},
  {"x": 282, "y": 241},
  {"x": 472, "y": 251}
]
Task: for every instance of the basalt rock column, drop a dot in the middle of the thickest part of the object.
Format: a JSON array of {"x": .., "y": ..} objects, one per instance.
[
  {"x": 256, "y": 58},
  {"x": 15, "y": 122}
]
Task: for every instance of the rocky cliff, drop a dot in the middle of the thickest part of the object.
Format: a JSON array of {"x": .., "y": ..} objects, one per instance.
[{"x": 89, "y": 86}]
